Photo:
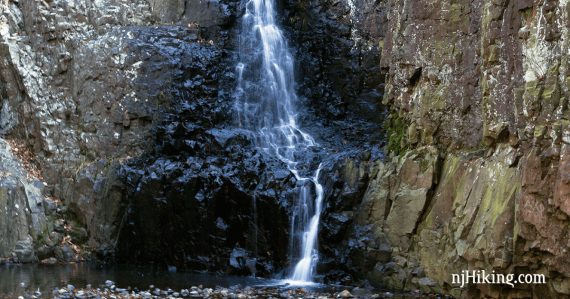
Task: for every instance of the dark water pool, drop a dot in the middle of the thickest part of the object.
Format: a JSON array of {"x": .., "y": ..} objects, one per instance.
[{"x": 15, "y": 280}]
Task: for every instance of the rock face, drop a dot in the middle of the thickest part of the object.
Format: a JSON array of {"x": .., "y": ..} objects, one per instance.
[
  {"x": 117, "y": 139},
  {"x": 23, "y": 216},
  {"x": 85, "y": 86},
  {"x": 478, "y": 97},
  {"x": 338, "y": 60},
  {"x": 126, "y": 110}
]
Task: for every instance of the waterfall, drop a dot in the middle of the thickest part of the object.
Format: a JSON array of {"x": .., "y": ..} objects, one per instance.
[{"x": 265, "y": 104}]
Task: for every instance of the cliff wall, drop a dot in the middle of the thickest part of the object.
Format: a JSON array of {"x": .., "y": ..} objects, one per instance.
[{"x": 478, "y": 139}]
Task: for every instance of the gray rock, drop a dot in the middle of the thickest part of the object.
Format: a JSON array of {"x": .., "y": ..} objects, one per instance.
[
  {"x": 25, "y": 251},
  {"x": 20, "y": 202},
  {"x": 49, "y": 261},
  {"x": 344, "y": 294},
  {"x": 426, "y": 281}
]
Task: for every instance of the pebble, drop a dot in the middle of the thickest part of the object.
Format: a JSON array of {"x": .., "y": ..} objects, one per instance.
[
  {"x": 194, "y": 293},
  {"x": 344, "y": 294},
  {"x": 200, "y": 292},
  {"x": 207, "y": 292}
]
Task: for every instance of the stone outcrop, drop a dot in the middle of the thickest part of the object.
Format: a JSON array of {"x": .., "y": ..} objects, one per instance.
[
  {"x": 64, "y": 66},
  {"x": 477, "y": 132},
  {"x": 23, "y": 216},
  {"x": 84, "y": 87}
]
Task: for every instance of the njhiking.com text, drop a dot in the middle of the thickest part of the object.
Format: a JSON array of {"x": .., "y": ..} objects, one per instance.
[{"x": 483, "y": 277}]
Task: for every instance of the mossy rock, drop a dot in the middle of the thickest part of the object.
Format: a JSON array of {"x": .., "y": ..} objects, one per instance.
[{"x": 397, "y": 132}]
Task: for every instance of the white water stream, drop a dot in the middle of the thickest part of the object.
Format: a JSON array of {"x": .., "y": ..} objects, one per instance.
[{"x": 265, "y": 104}]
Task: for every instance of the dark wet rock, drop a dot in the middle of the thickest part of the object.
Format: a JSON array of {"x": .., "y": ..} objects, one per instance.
[
  {"x": 338, "y": 60},
  {"x": 203, "y": 189},
  {"x": 237, "y": 258},
  {"x": 65, "y": 254},
  {"x": 207, "y": 14},
  {"x": 44, "y": 252},
  {"x": 336, "y": 226},
  {"x": 212, "y": 216},
  {"x": 79, "y": 235}
]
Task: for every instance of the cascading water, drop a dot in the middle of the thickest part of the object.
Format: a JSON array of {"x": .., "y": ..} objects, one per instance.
[{"x": 266, "y": 105}]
